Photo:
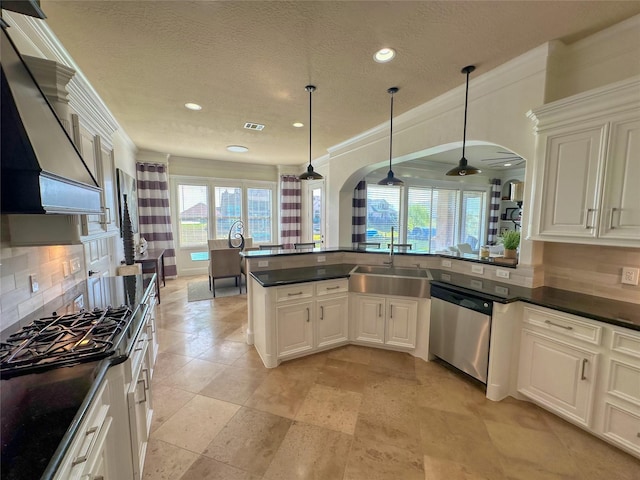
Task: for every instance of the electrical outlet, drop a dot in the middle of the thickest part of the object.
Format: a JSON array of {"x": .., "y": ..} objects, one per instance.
[
  {"x": 263, "y": 263},
  {"x": 65, "y": 269},
  {"x": 33, "y": 280},
  {"x": 446, "y": 263},
  {"x": 502, "y": 273},
  {"x": 630, "y": 275},
  {"x": 477, "y": 269},
  {"x": 502, "y": 290},
  {"x": 75, "y": 265},
  {"x": 322, "y": 258}
]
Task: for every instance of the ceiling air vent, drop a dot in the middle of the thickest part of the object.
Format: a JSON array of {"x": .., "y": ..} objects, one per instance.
[{"x": 254, "y": 126}]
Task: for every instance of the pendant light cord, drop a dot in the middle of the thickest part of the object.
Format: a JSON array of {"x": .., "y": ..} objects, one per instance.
[
  {"x": 310, "y": 88},
  {"x": 466, "y": 99},
  {"x": 391, "y": 131}
]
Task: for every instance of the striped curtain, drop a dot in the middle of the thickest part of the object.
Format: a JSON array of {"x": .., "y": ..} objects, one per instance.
[
  {"x": 290, "y": 210},
  {"x": 359, "y": 213},
  {"x": 494, "y": 211},
  {"x": 154, "y": 213}
]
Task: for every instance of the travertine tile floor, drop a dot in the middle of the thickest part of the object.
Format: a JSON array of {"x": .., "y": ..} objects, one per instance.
[{"x": 351, "y": 413}]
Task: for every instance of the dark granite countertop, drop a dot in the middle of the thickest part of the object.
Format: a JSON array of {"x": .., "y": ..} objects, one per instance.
[
  {"x": 40, "y": 412},
  {"x": 615, "y": 312},
  {"x": 273, "y": 278}
]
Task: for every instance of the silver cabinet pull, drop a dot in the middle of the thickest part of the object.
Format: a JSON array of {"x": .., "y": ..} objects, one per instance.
[
  {"x": 321, "y": 312},
  {"x": 549, "y": 322},
  {"x": 613, "y": 212},
  {"x": 83, "y": 458},
  {"x": 144, "y": 390},
  {"x": 294, "y": 294},
  {"x": 584, "y": 364},
  {"x": 391, "y": 311},
  {"x": 586, "y": 218},
  {"x": 333, "y": 288},
  {"x": 379, "y": 309},
  {"x": 308, "y": 315}
]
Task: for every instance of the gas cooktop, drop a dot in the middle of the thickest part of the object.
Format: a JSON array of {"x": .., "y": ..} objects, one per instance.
[{"x": 63, "y": 340}]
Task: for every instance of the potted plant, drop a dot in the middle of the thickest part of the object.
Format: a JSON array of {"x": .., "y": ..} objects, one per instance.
[{"x": 510, "y": 241}]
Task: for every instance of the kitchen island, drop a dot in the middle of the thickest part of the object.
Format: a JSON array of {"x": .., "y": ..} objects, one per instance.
[{"x": 73, "y": 419}]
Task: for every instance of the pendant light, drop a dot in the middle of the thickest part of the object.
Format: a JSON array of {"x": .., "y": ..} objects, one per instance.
[
  {"x": 390, "y": 179},
  {"x": 310, "y": 174},
  {"x": 463, "y": 169}
]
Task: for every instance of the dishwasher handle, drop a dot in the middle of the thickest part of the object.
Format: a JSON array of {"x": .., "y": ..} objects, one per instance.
[{"x": 461, "y": 299}]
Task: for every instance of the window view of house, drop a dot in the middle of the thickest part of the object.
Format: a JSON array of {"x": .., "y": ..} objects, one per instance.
[
  {"x": 193, "y": 208},
  {"x": 436, "y": 218}
]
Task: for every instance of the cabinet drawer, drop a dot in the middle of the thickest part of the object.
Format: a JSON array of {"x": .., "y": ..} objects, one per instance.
[
  {"x": 564, "y": 324},
  {"x": 294, "y": 292},
  {"x": 627, "y": 343},
  {"x": 624, "y": 381},
  {"x": 622, "y": 427},
  {"x": 328, "y": 287}
]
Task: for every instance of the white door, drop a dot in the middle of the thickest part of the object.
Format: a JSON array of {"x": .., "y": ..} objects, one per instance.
[
  {"x": 369, "y": 319},
  {"x": 332, "y": 320},
  {"x": 401, "y": 323},
  {"x": 97, "y": 255},
  {"x": 620, "y": 216},
  {"x": 571, "y": 176},
  {"x": 295, "y": 334},
  {"x": 558, "y": 375}
]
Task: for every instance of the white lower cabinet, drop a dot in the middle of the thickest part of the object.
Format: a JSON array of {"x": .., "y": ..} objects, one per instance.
[
  {"x": 558, "y": 374},
  {"x": 621, "y": 406},
  {"x": 385, "y": 320},
  {"x": 585, "y": 371},
  {"x": 92, "y": 453},
  {"x": 310, "y": 317},
  {"x": 139, "y": 404}
]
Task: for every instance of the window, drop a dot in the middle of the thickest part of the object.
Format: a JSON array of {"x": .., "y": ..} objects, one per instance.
[
  {"x": 383, "y": 212},
  {"x": 228, "y": 204},
  {"x": 436, "y": 217},
  {"x": 193, "y": 208},
  {"x": 207, "y": 208},
  {"x": 259, "y": 213}
]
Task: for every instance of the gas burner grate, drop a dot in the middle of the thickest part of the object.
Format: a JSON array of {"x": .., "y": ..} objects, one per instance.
[{"x": 61, "y": 340}]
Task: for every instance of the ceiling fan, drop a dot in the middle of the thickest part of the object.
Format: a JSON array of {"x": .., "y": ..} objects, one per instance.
[{"x": 510, "y": 157}]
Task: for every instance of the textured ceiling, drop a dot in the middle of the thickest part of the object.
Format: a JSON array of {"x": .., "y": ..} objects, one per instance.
[{"x": 247, "y": 61}]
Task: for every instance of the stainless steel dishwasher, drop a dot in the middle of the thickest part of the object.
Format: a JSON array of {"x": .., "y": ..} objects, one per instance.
[{"x": 460, "y": 330}]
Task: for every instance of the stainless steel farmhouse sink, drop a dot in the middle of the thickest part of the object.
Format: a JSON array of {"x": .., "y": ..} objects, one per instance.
[{"x": 403, "y": 281}]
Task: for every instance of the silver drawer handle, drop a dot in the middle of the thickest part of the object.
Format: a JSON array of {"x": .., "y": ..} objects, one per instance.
[
  {"x": 333, "y": 288},
  {"x": 379, "y": 309},
  {"x": 144, "y": 390},
  {"x": 294, "y": 294},
  {"x": 586, "y": 218},
  {"x": 549, "y": 322},
  {"x": 308, "y": 315},
  {"x": 584, "y": 364},
  {"x": 83, "y": 458},
  {"x": 321, "y": 312},
  {"x": 613, "y": 212},
  {"x": 390, "y": 311}
]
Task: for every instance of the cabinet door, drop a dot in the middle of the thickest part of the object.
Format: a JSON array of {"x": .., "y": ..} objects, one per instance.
[
  {"x": 108, "y": 184},
  {"x": 558, "y": 375},
  {"x": 570, "y": 183},
  {"x": 140, "y": 412},
  {"x": 332, "y": 321},
  {"x": 370, "y": 312},
  {"x": 295, "y": 333},
  {"x": 620, "y": 218},
  {"x": 402, "y": 317}
]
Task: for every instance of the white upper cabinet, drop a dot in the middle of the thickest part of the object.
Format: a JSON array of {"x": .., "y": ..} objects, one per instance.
[{"x": 588, "y": 155}]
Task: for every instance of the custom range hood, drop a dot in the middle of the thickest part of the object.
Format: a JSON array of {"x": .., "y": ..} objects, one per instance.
[{"x": 42, "y": 170}]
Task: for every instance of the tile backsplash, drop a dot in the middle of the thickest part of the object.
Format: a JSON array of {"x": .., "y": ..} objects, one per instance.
[
  {"x": 592, "y": 269},
  {"x": 18, "y": 263}
]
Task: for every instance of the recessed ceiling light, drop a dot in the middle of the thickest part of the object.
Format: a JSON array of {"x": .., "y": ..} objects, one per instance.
[
  {"x": 507, "y": 164},
  {"x": 193, "y": 106},
  {"x": 384, "y": 55},
  {"x": 237, "y": 148},
  {"x": 298, "y": 125}
]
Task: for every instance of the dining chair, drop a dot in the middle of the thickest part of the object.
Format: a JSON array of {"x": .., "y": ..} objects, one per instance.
[{"x": 224, "y": 263}]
